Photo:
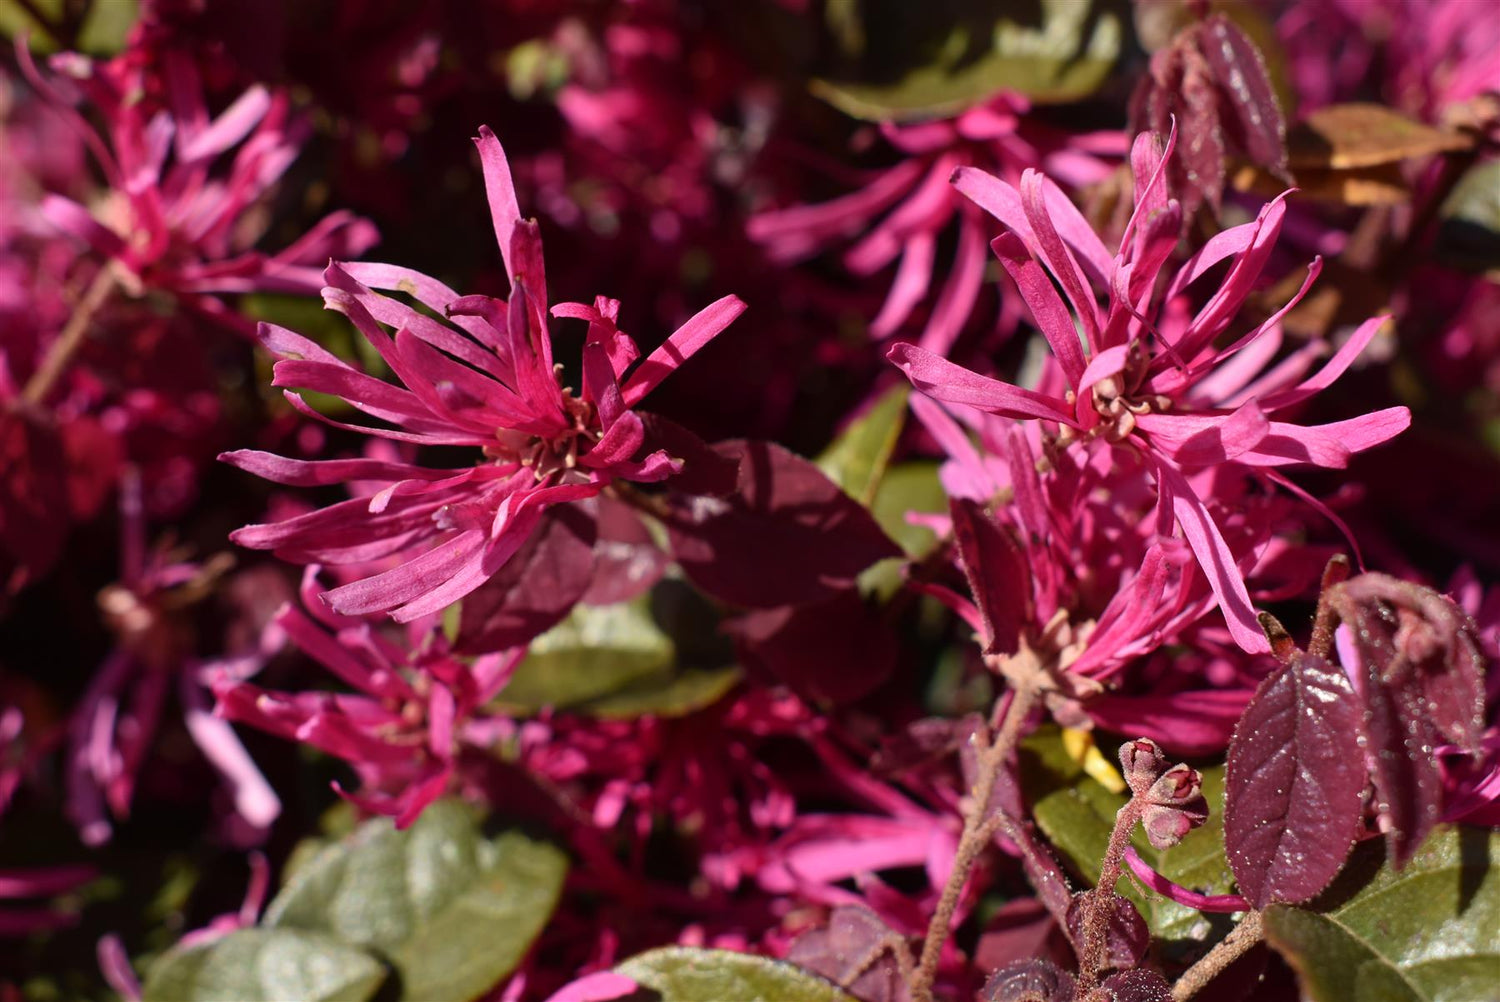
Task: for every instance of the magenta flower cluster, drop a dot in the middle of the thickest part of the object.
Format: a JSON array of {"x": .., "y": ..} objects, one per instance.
[{"x": 1027, "y": 471}]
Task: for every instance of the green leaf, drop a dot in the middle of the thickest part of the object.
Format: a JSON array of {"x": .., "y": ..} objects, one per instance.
[
  {"x": 453, "y": 912},
  {"x": 1077, "y": 814},
  {"x": 1065, "y": 55},
  {"x": 1469, "y": 231},
  {"x": 1430, "y": 933},
  {"x": 858, "y": 458},
  {"x": 596, "y": 652},
  {"x": 905, "y": 487},
  {"x": 265, "y": 965},
  {"x": 102, "y": 33},
  {"x": 909, "y": 487},
  {"x": 688, "y": 974},
  {"x": 676, "y": 696}
]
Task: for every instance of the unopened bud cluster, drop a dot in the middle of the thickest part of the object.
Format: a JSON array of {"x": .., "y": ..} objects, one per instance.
[{"x": 1172, "y": 797}]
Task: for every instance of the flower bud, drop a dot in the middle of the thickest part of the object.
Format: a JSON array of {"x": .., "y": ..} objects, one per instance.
[
  {"x": 1141, "y": 762},
  {"x": 1175, "y": 806}
]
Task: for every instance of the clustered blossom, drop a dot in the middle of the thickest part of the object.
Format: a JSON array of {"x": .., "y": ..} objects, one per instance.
[
  {"x": 403, "y": 726},
  {"x": 803, "y": 670},
  {"x": 169, "y": 220},
  {"x": 486, "y": 380},
  {"x": 1149, "y": 377}
]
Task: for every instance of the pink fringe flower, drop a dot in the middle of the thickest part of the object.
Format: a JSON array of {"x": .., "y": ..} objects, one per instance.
[
  {"x": 402, "y": 727},
  {"x": 1153, "y": 378},
  {"x": 171, "y": 219},
  {"x": 490, "y": 384}
]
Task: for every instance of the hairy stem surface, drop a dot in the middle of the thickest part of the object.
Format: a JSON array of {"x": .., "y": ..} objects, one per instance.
[
  {"x": 1229, "y": 949},
  {"x": 977, "y": 833}
]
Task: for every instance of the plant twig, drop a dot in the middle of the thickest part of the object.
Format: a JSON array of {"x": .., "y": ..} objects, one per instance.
[
  {"x": 1229, "y": 949},
  {"x": 71, "y": 339},
  {"x": 1098, "y": 904},
  {"x": 977, "y": 832}
]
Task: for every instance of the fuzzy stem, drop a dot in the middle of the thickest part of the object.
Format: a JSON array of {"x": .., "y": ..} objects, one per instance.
[
  {"x": 71, "y": 338},
  {"x": 1098, "y": 904},
  {"x": 977, "y": 833},
  {"x": 1229, "y": 949}
]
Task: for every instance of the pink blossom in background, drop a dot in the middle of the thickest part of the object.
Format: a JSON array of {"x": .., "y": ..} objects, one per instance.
[{"x": 905, "y": 209}]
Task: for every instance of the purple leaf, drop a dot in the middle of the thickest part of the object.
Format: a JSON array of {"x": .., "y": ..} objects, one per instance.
[
  {"x": 536, "y": 588},
  {"x": 627, "y": 561},
  {"x": 1200, "y": 147},
  {"x": 788, "y": 535},
  {"x": 1132, "y": 986},
  {"x": 854, "y": 951},
  {"x": 1423, "y": 683},
  {"x": 1126, "y": 937},
  {"x": 1408, "y": 782},
  {"x": 1255, "y": 121},
  {"x": 997, "y": 575},
  {"x": 1029, "y": 981},
  {"x": 1294, "y": 784},
  {"x": 837, "y": 650},
  {"x": 704, "y": 470}
]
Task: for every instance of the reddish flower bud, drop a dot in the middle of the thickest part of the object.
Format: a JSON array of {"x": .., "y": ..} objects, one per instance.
[
  {"x": 1175, "y": 806},
  {"x": 1141, "y": 762}
]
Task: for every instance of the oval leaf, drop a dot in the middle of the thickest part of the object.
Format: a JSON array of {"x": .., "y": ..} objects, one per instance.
[
  {"x": 687, "y": 974},
  {"x": 1345, "y": 136},
  {"x": 789, "y": 535},
  {"x": 1295, "y": 783},
  {"x": 453, "y": 913},
  {"x": 264, "y": 965},
  {"x": 1430, "y": 933},
  {"x": 596, "y": 652},
  {"x": 536, "y": 588}
]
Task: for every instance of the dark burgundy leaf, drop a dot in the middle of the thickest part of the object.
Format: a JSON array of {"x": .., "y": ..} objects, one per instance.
[
  {"x": 922, "y": 743},
  {"x": 704, "y": 470},
  {"x": 1408, "y": 782},
  {"x": 1402, "y": 631},
  {"x": 854, "y": 951},
  {"x": 788, "y": 535},
  {"x": 1029, "y": 981},
  {"x": 627, "y": 562},
  {"x": 1423, "y": 686},
  {"x": 1255, "y": 119},
  {"x": 997, "y": 575},
  {"x": 1132, "y": 986},
  {"x": 1126, "y": 938},
  {"x": 1294, "y": 783},
  {"x": 536, "y": 588},
  {"x": 837, "y": 650},
  {"x": 1021, "y": 929},
  {"x": 1199, "y": 164}
]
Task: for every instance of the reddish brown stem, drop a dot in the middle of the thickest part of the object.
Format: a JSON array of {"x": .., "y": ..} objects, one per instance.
[
  {"x": 1231, "y": 948},
  {"x": 977, "y": 832},
  {"x": 71, "y": 339},
  {"x": 1098, "y": 904}
]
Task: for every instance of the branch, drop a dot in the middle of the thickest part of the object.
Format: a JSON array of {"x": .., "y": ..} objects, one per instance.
[
  {"x": 1229, "y": 949},
  {"x": 977, "y": 833}
]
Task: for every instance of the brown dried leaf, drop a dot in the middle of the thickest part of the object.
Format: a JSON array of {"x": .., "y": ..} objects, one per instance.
[{"x": 1345, "y": 136}]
